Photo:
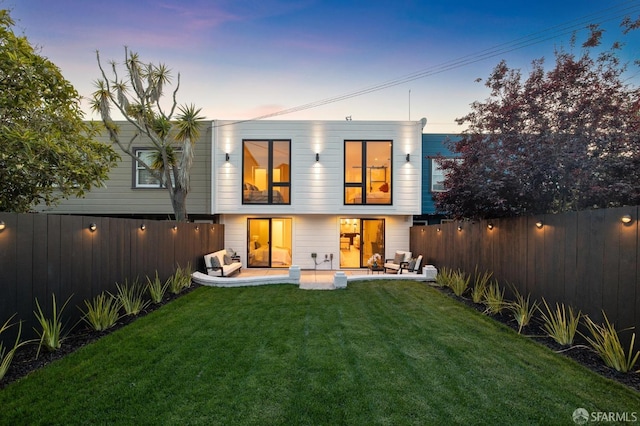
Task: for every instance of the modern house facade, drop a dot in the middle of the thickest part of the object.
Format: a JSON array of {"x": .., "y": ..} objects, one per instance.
[{"x": 318, "y": 194}]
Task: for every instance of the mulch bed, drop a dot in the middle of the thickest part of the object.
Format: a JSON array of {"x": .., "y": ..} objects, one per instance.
[
  {"x": 24, "y": 361},
  {"x": 579, "y": 351}
]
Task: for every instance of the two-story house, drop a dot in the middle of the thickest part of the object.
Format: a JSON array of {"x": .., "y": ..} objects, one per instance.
[{"x": 318, "y": 194}]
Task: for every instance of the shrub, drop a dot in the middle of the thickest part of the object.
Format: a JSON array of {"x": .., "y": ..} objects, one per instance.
[
  {"x": 494, "y": 298},
  {"x": 561, "y": 324},
  {"x": 156, "y": 288},
  {"x": 522, "y": 309},
  {"x": 480, "y": 286},
  {"x": 605, "y": 341},
  {"x": 131, "y": 297},
  {"x": 51, "y": 330},
  {"x": 459, "y": 282},
  {"x": 7, "y": 356},
  {"x": 103, "y": 312}
]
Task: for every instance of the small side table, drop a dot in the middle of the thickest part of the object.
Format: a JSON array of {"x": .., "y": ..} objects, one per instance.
[{"x": 373, "y": 269}]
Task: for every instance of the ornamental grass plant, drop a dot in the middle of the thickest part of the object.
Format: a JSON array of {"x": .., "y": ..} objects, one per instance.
[
  {"x": 604, "y": 339},
  {"x": 102, "y": 312},
  {"x": 522, "y": 309},
  {"x": 6, "y": 353},
  {"x": 156, "y": 288},
  {"x": 131, "y": 297},
  {"x": 494, "y": 298},
  {"x": 562, "y": 324},
  {"x": 481, "y": 281},
  {"x": 51, "y": 331}
]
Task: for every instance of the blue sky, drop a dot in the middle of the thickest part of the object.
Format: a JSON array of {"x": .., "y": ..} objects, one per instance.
[{"x": 244, "y": 59}]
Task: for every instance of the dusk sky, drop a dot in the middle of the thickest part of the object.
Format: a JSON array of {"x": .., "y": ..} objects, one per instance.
[{"x": 245, "y": 59}]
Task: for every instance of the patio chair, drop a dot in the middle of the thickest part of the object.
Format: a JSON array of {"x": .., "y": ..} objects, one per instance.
[{"x": 413, "y": 266}]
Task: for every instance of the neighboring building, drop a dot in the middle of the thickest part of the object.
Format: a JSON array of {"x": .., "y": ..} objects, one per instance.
[
  {"x": 131, "y": 192},
  {"x": 432, "y": 175},
  {"x": 342, "y": 190}
]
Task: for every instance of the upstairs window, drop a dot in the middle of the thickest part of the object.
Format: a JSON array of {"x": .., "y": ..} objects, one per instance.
[
  {"x": 367, "y": 172},
  {"x": 142, "y": 177},
  {"x": 266, "y": 177}
]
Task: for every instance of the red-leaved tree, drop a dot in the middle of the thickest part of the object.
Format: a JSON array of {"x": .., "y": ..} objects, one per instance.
[{"x": 564, "y": 139}]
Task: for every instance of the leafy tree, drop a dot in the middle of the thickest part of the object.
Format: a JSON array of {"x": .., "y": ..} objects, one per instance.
[
  {"x": 139, "y": 103},
  {"x": 48, "y": 152},
  {"x": 561, "y": 140}
]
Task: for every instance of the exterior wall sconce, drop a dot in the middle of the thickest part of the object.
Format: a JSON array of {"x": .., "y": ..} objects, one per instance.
[
  {"x": 174, "y": 227},
  {"x": 408, "y": 157},
  {"x": 438, "y": 229},
  {"x": 539, "y": 224},
  {"x": 490, "y": 226},
  {"x": 626, "y": 219},
  {"x": 143, "y": 227},
  {"x": 226, "y": 156},
  {"x": 317, "y": 156},
  {"x": 197, "y": 228},
  {"x": 459, "y": 228},
  {"x": 92, "y": 227},
  {"x": 2, "y": 225}
]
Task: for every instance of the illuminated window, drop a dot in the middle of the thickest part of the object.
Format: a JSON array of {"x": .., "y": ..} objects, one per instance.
[
  {"x": 367, "y": 172},
  {"x": 266, "y": 175}
]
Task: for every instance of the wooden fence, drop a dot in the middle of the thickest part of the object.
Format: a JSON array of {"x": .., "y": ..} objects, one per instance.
[
  {"x": 589, "y": 259},
  {"x": 41, "y": 255}
]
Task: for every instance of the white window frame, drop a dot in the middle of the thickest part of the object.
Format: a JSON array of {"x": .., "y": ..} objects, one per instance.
[{"x": 139, "y": 167}]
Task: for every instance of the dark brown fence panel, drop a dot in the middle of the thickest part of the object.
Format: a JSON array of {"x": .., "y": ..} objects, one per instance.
[
  {"x": 589, "y": 260},
  {"x": 44, "y": 255}
]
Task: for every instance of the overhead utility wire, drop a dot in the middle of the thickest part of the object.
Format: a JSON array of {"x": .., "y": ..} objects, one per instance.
[{"x": 602, "y": 16}]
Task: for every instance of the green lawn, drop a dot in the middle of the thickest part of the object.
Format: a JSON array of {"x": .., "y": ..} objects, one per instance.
[{"x": 391, "y": 352}]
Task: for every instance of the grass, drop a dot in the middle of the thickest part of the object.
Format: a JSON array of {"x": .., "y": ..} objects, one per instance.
[{"x": 380, "y": 352}]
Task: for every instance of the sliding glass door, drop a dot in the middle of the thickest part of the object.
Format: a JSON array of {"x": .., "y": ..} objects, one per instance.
[
  {"x": 269, "y": 243},
  {"x": 359, "y": 240}
]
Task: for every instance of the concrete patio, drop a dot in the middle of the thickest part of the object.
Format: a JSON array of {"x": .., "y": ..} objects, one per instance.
[{"x": 306, "y": 279}]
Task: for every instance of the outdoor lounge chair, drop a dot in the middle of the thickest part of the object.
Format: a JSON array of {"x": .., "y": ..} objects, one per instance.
[{"x": 413, "y": 266}]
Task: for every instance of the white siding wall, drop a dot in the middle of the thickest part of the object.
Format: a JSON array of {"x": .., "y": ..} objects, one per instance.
[
  {"x": 316, "y": 234},
  {"x": 317, "y": 187}
]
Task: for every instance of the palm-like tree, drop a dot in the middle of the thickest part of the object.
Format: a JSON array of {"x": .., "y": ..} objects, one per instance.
[{"x": 138, "y": 98}]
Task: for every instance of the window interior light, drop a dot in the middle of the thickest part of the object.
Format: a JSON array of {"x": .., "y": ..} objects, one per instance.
[
  {"x": 2, "y": 225},
  {"x": 539, "y": 224},
  {"x": 626, "y": 219},
  {"x": 92, "y": 227}
]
